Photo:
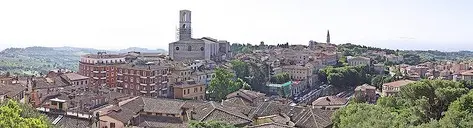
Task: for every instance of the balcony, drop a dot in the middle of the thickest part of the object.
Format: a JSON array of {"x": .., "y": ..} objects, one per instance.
[
  {"x": 96, "y": 78},
  {"x": 103, "y": 78},
  {"x": 143, "y": 77},
  {"x": 152, "y": 84},
  {"x": 95, "y": 71},
  {"x": 143, "y": 84},
  {"x": 152, "y": 77},
  {"x": 143, "y": 92},
  {"x": 154, "y": 91},
  {"x": 119, "y": 88},
  {"x": 164, "y": 82},
  {"x": 103, "y": 71},
  {"x": 119, "y": 74},
  {"x": 119, "y": 81}
]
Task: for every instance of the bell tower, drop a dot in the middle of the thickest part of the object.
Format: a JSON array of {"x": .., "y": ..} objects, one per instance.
[
  {"x": 185, "y": 30},
  {"x": 328, "y": 37}
]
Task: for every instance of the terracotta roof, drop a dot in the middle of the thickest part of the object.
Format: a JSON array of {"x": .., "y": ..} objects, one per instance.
[
  {"x": 73, "y": 76},
  {"x": 11, "y": 90},
  {"x": 314, "y": 118},
  {"x": 467, "y": 73},
  {"x": 398, "y": 83},
  {"x": 104, "y": 56},
  {"x": 248, "y": 95},
  {"x": 170, "y": 106},
  {"x": 330, "y": 101},
  {"x": 122, "y": 115},
  {"x": 160, "y": 122},
  {"x": 214, "y": 111},
  {"x": 270, "y": 125},
  {"x": 365, "y": 87},
  {"x": 305, "y": 117},
  {"x": 69, "y": 121}
]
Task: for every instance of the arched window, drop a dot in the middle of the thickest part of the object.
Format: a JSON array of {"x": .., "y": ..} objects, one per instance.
[
  {"x": 189, "y": 48},
  {"x": 184, "y": 16},
  {"x": 184, "y": 26}
]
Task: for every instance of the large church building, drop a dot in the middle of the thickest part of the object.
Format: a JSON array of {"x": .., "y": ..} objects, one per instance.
[{"x": 189, "y": 49}]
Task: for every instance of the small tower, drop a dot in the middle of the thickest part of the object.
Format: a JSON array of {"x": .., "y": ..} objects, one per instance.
[
  {"x": 185, "y": 30},
  {"x": 328, "y": 37}
]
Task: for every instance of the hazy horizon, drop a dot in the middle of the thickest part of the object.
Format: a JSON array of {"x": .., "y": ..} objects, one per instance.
[{"x": 116, "y": 24}]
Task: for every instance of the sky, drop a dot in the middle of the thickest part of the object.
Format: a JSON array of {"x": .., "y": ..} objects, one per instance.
[{"x": 116, "y": 24}]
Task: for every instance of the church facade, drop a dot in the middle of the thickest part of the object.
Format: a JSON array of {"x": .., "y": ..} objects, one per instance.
[{"x": 189, "y": 49}]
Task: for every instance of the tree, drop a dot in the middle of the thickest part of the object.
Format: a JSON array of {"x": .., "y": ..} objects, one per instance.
[
  {"x": 433, "y": 96},
  {"x": 241, "y": 69},
  {"x": 362, "y": 115},
  {"x": 209, "y": 124},
  {"x": 222, "y": 85},
  {"x": 460, "y": 113},
  {"x": 13, "y": 115},
  {"x": 377, "y": 81},
  {"x": 280, "y": 78}
]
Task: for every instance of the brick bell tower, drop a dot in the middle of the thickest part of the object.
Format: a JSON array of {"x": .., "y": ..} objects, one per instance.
[{"x": 185, "y": 30}]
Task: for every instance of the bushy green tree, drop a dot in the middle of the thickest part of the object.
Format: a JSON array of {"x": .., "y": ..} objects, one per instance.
[
  {"x": 419, "y": 104},
  {"x": 343, "y": 77},
  {"x": 14, "y": 115},
  {"x": 460, "y": 113},
  {"x": 280, "y": 78},
  {"x": 209, "y": 124},
  {"x": 222, "y": 84},
  {"x": 362, "y": 115},
  {"x": 241, "y": 69}
]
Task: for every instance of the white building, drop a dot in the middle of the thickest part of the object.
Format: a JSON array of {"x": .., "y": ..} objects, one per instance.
[{"x": 355, "y": 61}]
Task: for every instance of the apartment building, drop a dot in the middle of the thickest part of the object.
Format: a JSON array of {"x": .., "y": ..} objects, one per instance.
[
  {"x": 148, "y": 79},
  {"x": 101, "y": 67},
  {"x": 189, "y": 90}
]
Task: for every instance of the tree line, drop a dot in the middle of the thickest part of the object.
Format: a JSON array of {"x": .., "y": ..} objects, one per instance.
[{"x": 426, "y": 103}]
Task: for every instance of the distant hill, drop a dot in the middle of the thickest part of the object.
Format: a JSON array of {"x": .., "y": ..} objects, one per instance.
[{"x": 35, "y": 60}]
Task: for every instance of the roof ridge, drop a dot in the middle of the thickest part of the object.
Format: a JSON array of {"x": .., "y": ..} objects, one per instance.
[
  {"x": 312, "y": 115},
  {"x": 213, "y": 109},
  {"x": 233, "y": 114},
  {"x": 321, "y": 117},
  {"x": 302, "y": 116}
]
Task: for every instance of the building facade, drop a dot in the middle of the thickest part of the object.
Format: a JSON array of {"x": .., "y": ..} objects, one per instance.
[
  {"x": 189, "y": 90},
  {"x": 143, "y": 80},
  {"x": 101, "y": 68},
  {"x": 355, "y": 61},
  {"x": 393, "y": 88},
  {"x": 188, "y": 48}
]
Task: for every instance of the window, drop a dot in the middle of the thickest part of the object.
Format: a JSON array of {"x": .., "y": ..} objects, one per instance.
[
  {"x": 189, "y": 48},
  {"x": 195, "y": 89},
  {"x": 184, "y": 92},
  {"x": 112, "y": 125},
  {"x": 188, "y": 90},
  {"x": 177, "y": 48},
  {"x": 201, "y": 48},
  {"x": 201, "y": 89}
]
